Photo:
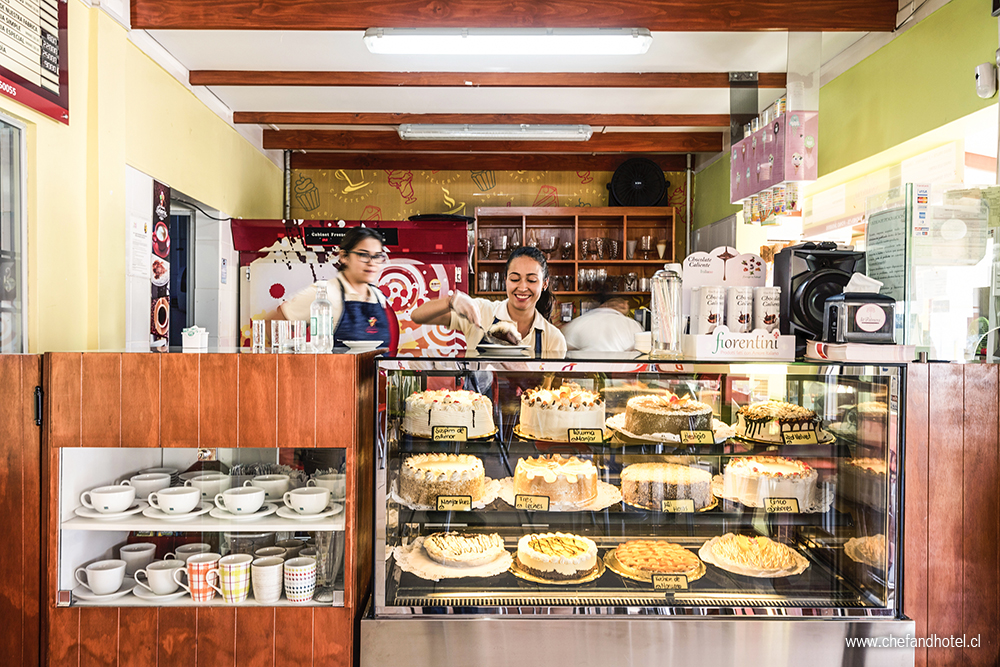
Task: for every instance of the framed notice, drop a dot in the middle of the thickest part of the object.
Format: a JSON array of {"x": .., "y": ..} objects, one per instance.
[{"x": 34, "y": 67}]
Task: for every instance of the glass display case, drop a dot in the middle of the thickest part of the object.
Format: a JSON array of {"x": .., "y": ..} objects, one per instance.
[
  {"x": 178, "y": 526},
  {"x": 606, "y": 487}
]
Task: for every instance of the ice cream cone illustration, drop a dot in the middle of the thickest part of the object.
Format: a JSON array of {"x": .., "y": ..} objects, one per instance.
[{"x": 306, "y": 193}]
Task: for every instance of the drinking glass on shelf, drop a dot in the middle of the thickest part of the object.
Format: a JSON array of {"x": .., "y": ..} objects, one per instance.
[
  {"x": 582, "y": 279},
  {"x": 591, "y": 280},
  {"x": 495, "y": 283},
  {"x": 532, "y": 239},
  {"x": 485, "y": 245},
  {"x": 584, "y": 247},
  {"x": 548, "y": 245},
  {"x": 593, "y": 248},
  {"x": 613, "y": 248},
  {"x": 600, "y": 244},
  {"x": 630, "y": 248},
  {"x": 567, "y": 281},
  {"x": 515, "y": 240},
  {"x": 567, "y": 250},
  {"x": 646, "y": 246},
  {"x": 484, "y": 281},
  {"x": 661, "y": 248},
  {"x": 601, "y": 280},
  {"x": 632, "y": 282},
  {"x": 502, "y": 245},
  {"x": 643, "y": 284}
]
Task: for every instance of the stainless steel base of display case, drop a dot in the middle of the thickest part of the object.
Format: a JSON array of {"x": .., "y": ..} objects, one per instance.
[{"x": 619, "y": 642}]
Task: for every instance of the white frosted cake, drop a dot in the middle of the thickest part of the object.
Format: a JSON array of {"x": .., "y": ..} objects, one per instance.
[
  {"x": 557, "y": 556},
  {"x": 568, "y": 481},
  {"x": 770, "y": 420},
  {"x": 424, "y": 477},
  {"x": 464, "y": 549},
  {"x": 548, "y": 414},
  {"x": 863, "y": 480},
  {"x": 751, "y": 479},
  {"x": 448, "y": 407},
  {"x": 666, "y": 413},
  {"x": 649, "y": 484}
]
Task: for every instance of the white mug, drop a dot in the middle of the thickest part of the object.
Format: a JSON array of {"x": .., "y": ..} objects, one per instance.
[
  {"x": 108, "y": 499},
  {"x": 336, "y": 482},
  {"x": 210, "y": 484},
  {"x": 147, "y": 483},
  {"x": 241, "y": 500},
  {"x": 175, "y": 500},
  {"x": 267, "y": 579},
  {"x": 308, "y": 500},
  {"x": 274, "y": 485},
  {"x": 185, "y": 551},
  {"x": 137, "y": 555},
  {"x": 270, "y": 552},
  {"x": 300, "y": 579},
  {"x": 103, "y": 577},
  {"x": 159, "y": 576},
  {"x": 309, "y": 552}
]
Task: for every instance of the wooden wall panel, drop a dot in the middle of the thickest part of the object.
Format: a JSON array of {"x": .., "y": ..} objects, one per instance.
[
  {"x": 63, "y": 638},
  {"x": 335, "y": 625},
  {"x": 216, "y": 637},
  {"x": 258, "y": 400},
  {"x": 291, "y": 627},
  {"x": 140, "y": 413},
  {"x": 297, "y": 400},
  {"x": 217, "y": 411},
  {"x": 335, "y": 400},
  {"x": 101, "y": 400},
  {"x": 915, "y": 502},
  {"x": 255, "y": 637},
  {"x": 13, "y": 444},
  {"x": 138, "y": 634},
  {"x": 178, "y": 632},
  {"x": 98, "y": 636},
  {"x": 981, "y": 523},
  {"x": 32, "y": 548},
  {"x": 63, "y": 377},
  {"x": 179, "y": 400}
]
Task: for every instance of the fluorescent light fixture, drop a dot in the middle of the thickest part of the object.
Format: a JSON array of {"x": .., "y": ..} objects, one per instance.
[
  {"x": 445, "y": 132},
  {"x": 509, "y": 41}
]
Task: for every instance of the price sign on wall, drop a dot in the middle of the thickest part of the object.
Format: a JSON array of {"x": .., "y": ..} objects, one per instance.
[{"x": 33, "y": 56}]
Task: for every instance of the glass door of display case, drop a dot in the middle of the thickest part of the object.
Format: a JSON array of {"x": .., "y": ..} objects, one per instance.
[{"x": 625, "y": 486}]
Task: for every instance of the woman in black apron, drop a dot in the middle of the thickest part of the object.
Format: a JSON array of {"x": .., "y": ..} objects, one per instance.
[{"x": 364, "y": 316}]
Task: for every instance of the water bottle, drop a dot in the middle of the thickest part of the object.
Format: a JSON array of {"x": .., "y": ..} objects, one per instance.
[
  {"x": 321, "y": 320},
  {"x": 665, "y": 294}
]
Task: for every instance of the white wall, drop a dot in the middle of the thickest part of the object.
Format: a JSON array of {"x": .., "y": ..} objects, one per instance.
[{"x": 138, "y": 294}]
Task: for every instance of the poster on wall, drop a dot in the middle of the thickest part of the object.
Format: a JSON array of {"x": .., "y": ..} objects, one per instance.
[
  {"x": 34, "y": 67},
  {"x": 159, "y": 270}
]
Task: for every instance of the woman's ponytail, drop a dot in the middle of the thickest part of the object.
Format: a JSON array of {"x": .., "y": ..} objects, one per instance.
[{"x": 546, "y": 301}]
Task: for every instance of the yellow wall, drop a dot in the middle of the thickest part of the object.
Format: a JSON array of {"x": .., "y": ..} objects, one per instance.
[
  {"x": 710, "y": 194},
  {"x": 124, "y": 109}
]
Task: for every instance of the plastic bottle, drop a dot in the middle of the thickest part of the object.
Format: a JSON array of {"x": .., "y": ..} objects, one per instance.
[
  {"x": 665, "y": 292},
  {"x": 321, "y": 320}
]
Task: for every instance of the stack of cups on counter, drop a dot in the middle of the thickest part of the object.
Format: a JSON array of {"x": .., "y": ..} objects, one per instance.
[{"x": 741, "y": 309}]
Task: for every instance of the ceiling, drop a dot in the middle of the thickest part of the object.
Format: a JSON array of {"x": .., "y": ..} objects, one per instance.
[{"x": 301, "y": 70}]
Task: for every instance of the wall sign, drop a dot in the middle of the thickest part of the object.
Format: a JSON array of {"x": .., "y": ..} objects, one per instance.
[
  {"x": 159, "y": 270},
  {"x": 34, "y": 67}
]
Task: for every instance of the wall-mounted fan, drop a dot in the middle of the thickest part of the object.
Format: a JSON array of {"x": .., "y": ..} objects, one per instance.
[{"x": 637, "y": 182}]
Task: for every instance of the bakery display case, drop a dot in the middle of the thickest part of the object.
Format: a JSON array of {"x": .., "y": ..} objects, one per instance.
[{"x": 582, "y": 498}]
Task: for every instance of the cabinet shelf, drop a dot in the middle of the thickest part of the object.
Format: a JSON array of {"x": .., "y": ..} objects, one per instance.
[
  {"x": 583, "y": 521},
  {"x": 131, "y": 600},
  {"x": 205, "y": 524}
]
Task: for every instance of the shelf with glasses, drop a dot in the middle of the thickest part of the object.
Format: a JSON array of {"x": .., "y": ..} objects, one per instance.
[{"x": 130, "y": 600}]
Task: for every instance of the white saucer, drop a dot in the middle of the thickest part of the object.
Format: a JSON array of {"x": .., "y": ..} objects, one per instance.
[
  {"x": 502, "y": 350},
  {"x": 154, "y": 513},
  {"x": 88, "y": 513},
  {"x": 84, "y": 593},
  {"x": 287, "y": 513},
  {"x": 265, "y": 510},
  {"x": 362, "y": 345},
  {"x": 146, "y": 594}
]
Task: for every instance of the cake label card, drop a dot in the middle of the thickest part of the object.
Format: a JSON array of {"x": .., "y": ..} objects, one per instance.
[
  {"x": 450, "y": 433},
  {"x": 678, "y": 506},
  {"x": 586, "y": 436},
  {"x": 800, "y": 437},
  {"x": 781, "y": 505},
  {"x": 454, "y": 503},
  {"x": 697, "y": 438},
  {"x": 523, "y": 501},
  {"x": 670, "y": 582}
]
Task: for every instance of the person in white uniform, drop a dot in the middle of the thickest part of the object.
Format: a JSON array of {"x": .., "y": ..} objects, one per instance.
[{"x": 607, "y": 328}]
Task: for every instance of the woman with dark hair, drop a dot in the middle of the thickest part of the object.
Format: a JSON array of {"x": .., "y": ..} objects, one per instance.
[
  {"x": 360, "y": 310},
  {"x": 526, "y": 309}
]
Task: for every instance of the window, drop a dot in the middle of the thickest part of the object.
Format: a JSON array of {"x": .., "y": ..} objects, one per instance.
[{"x": 13, "y": 272}]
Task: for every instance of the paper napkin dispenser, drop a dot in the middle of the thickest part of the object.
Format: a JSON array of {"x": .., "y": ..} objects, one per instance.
[{"x": 859, "y": 317}]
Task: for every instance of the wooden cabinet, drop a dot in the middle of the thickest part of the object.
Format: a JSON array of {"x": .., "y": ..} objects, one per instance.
[{"x": 573, "y": 225}]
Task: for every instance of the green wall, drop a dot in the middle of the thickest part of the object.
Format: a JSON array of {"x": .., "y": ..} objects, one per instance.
[{"x": 710, "y": 194}]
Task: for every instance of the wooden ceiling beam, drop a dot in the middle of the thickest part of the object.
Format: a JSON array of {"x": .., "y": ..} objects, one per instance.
[
  {"x": 656, "y": 15},
  {"x": 476, "y": 161},
  {"x": 596, "y": 120},
  {"x": 608, "y": 142},
  {"x": 477, "y": 79}
]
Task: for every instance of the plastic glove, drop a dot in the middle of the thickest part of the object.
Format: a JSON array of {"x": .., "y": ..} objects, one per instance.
[{"x": 463, "y": 304}]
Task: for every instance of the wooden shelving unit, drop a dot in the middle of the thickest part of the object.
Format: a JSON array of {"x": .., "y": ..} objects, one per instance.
[{"x": 573, "y": 224}]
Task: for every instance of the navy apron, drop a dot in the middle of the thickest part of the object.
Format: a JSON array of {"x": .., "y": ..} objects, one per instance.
[{"x": 361, "y": 320}]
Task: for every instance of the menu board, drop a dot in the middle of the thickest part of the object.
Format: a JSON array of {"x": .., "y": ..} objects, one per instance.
[{"x": 33, "y": 55}]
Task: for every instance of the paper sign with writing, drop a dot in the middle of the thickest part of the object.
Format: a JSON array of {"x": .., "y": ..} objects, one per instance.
[
  {"x": 450, "y": 433},
  {"x": 678, "y": 506},
  {"x": 523, "y": 501},
  {"x": 781, "y": 505},
  {"x": 586, "y": 435},
  {"x": 454, "y": 503},
  {"x": 670, "y": 582},
  {"x": 697, "y": 438},
  {"x": 799, "y": 437}
]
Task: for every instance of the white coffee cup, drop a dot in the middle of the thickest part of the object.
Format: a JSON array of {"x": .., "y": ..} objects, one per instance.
[
  {"x": 241, "y": 500},
  {"x": 270, "y": 552},
  {"x": 335, "y": 481},
  {"x": 103, "y": 577},
  {"x": 210, "y": 484},
  {"x": 147, "y": 483},
  {"x": 108, "y": 499},
  {"x": 267, "y": 578},
  {"x": 185, "y": 551},
  {"x": 175, "y": 500},
  {"x": 274, "y": 485},
  {"x": 307, "y": 500},
  {"x": 292, "y": 547},
  {"x": 137, "y": 555},
  {"x": 159, "y": 576}
]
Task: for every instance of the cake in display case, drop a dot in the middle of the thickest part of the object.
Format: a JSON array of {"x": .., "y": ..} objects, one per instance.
[{"x": 611, "y": 487}]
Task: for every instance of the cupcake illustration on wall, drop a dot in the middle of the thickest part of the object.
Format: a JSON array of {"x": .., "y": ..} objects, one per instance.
[{"x": 306, "y": 193}]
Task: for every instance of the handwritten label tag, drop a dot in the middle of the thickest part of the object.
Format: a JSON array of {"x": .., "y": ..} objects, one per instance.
[
  {"x": 586, "y": 435},
  {"x": 670, "y": 582},
  {"x": 781, "y": 505},
  {"x": 531, "y": 503},
  {"x": 450, "y": 433},
  {"x": 697, "y": 438},
  {"x": 454, "y": 503},
  {"x": 684, "y": 505},
  {"x": 800, "y": 438}
]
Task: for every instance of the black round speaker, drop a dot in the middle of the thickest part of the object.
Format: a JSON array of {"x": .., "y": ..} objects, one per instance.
[
  {"x": 638, "y": 181},
  {"x": 811, "y": 293}
]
